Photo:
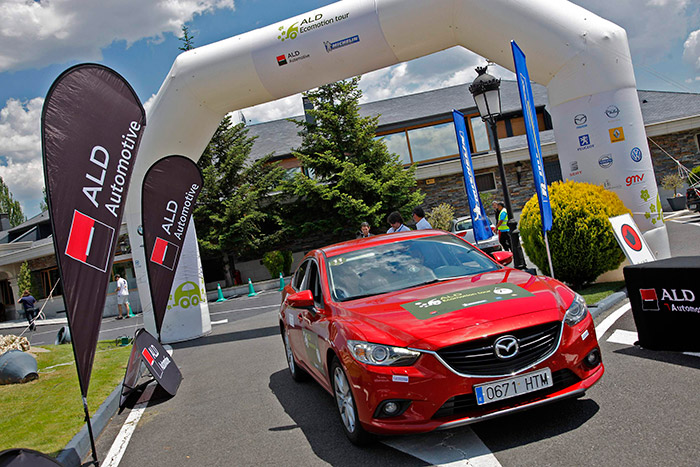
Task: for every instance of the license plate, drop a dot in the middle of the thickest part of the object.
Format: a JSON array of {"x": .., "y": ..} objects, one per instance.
[{"x": 511, "y": 387}]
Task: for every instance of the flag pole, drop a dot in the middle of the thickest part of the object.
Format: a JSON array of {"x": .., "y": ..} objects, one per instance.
[{"x": 549, "y": 255}]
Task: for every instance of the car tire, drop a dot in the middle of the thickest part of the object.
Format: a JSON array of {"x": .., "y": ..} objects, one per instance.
[
  {"x": 298, "y": 374},
  {"x": 347, "y": 409}
]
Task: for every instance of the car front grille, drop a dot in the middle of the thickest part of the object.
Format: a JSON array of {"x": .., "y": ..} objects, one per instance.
[
  {"x": 477, "y": 357},
  {"x": 465, "y": 404}
]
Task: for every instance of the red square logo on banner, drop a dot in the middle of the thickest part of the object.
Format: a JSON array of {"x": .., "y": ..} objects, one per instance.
[
  {"x": 164, "y": 253},
  {"x": 90, "y": 241},
  {"x": 147, "y": 355}
]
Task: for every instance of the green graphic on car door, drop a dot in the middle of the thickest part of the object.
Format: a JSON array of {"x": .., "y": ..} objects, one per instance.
[{"x": 312, "y": 350}]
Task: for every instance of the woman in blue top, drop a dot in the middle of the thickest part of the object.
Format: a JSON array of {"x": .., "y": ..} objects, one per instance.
[{"x": 28, "y": 303}]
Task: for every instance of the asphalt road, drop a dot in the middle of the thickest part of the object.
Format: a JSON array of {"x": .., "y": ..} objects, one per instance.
[{"x": 237, "y": 405}]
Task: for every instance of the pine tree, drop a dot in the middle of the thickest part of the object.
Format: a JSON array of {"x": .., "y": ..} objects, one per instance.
[
  {"x": 351, "y": 176},
  {"x": 186, "y": 39},
  {"x": 236, "y": 210},
  {"x": 10, "y": 206}
]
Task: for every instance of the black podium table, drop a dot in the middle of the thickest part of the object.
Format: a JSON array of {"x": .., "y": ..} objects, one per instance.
[{"x": 665, "y": 299}]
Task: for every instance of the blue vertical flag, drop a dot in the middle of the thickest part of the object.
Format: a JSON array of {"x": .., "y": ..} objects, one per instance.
[
  {"x": 533, "y": 136},
  {"x": 480, "y": 223}
]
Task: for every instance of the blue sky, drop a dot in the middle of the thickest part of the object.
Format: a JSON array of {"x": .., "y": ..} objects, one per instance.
[{"x": 139, "y": 39}]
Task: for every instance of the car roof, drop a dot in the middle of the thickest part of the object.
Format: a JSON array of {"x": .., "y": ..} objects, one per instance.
[{"x": 361, "y": 244}]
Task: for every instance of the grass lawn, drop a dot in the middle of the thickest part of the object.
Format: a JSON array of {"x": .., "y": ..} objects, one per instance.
[
  {"x": 46, "y": 413},
  {"x": 596, "y": 292}
]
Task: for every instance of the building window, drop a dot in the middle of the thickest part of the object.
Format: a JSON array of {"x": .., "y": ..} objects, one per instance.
[
  {"x": 480, "y": 135},
  {"x": 397, "y": 143},
  {"x": 485, "y": 181},
  {"x": 433, "y": 142},
  {"x": 697, "y": 142}
]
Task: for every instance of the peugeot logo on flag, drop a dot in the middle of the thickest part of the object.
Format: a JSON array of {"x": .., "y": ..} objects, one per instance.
[{"x": 506, "y": 347}]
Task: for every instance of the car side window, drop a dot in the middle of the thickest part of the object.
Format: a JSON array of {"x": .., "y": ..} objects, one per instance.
[
  {"x": 299, "y": 276},
  {"x": 314, "y": 283}
]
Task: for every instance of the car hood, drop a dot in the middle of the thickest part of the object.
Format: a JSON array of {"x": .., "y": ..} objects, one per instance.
[{"x": 446, "y": 313}]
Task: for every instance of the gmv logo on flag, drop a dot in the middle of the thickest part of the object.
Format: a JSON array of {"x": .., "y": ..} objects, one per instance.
[{"x": 89, "y": 241}]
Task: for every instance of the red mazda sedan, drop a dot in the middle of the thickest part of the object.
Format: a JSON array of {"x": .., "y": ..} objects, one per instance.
[{"x": 418, "y": 331}]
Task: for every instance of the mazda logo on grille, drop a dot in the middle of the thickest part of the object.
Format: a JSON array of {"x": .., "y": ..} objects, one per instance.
[{"x": 506, "y": 347}]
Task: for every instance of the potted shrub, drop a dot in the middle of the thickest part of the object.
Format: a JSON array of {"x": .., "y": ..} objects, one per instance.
[{"x": 674, "y": 182}]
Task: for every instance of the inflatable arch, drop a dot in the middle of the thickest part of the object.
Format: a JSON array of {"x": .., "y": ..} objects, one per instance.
[{"x": 582, "y": 59}]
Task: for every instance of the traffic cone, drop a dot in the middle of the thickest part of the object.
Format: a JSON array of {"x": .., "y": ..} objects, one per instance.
[
  {"x": 131, "y": 313},
  {"x": 251, "y": 290},
  {"x": 281, "y": 282},
  {"x": 221, "y": 294}
]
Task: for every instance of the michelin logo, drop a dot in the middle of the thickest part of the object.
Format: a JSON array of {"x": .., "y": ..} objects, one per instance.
[{"x": 330, "y": 46}]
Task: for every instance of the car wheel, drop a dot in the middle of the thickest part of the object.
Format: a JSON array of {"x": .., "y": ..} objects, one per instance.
[
  {"x": 347, "y": 409},
  {"x": 298, "y": 374}
]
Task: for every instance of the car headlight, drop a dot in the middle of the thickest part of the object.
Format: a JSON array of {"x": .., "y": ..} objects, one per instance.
[
  {"x": 576, "y": 312},
  {"x": 385, "y": 355}
]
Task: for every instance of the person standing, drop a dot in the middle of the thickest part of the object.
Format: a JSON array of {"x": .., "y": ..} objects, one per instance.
[
  {"x": 419, "y": 219},
  {"x": 364, "y": 231},
  {"x": 28, "y": 303},
  {"x": 396, "y": 222},
  {"x": 502, "y": 224},
  {"x": 122, "y": 296}
]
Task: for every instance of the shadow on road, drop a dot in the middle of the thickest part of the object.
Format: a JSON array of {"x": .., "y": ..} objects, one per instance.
[
  {"x": 537, "y": 424},
  {"x": 313, "y": 411},
  {"x": 674, "y": 358},
  {"x": 229, "y": 337}
]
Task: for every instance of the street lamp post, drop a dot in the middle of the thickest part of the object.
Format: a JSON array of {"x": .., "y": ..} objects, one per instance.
[{"x": 487, "y": 95}]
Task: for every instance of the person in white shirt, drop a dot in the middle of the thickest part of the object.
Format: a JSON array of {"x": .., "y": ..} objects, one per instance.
[
  {"x": 396, "y": 222},
  {"x": 122, "y": 295},
  {"x": 419, "y": 219}
]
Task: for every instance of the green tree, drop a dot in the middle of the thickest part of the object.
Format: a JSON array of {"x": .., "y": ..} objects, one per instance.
[
  {"x": 44, "y": 203},
  {"x": 24, "y": 279},
  {"x": 237, "y": 214},
  {"x": 350, "y": 175},
  {"x": 9, "y": 205},
  {"x": 186, "y": 39}
]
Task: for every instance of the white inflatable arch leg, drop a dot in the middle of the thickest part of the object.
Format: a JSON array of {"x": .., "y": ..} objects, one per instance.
[{"x": 583, "y": 60}]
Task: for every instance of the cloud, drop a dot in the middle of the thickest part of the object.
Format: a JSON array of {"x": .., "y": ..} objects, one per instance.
[
  {"x": 20, "y": 152},
  {"x": 691, "y": 50},
  {"x": 35, "y": 34}
]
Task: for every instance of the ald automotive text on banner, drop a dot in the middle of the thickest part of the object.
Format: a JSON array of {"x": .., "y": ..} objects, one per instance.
[
  {"x": 480, "y": 222},
  {"x": 91, "y": 127},
  {"x": 170, "y": 190}
]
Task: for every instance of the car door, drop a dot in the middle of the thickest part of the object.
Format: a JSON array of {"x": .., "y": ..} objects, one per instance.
[
  {"x": 314, "y": 325},
  {"x": 292, "y": 315}
]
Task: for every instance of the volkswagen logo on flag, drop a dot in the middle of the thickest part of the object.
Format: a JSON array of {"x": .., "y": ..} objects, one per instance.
[{"x": 506, "y": 347}]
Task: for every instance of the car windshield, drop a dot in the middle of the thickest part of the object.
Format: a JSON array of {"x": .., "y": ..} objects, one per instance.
[{"x": 401, "y": 265}]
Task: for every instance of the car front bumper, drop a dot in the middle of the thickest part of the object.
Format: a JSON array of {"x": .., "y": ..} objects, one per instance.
[{"x": 438, "y": 398}]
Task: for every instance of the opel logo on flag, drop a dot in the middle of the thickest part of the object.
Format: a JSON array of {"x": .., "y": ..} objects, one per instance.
[
  {"x": 89, "y": 241},
  {"x": 164, "y": 253},
  {"x": 506, "y": 347}
]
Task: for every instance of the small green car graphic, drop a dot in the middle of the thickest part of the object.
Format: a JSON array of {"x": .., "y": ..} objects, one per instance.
[{"x": 187, "y": 294}]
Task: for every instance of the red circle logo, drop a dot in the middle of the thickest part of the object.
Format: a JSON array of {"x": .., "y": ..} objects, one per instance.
[{"x": 631, "y": 238}]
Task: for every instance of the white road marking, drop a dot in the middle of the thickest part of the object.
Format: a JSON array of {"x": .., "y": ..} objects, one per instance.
[
  {"x": 623, "y": 337},
  {"x": 692, "y": 354},
  {"x": 221, "y": 321},
  {"x": 114, "y": 456},
  {"x": 458, "y": 447},
  {"x": 245, "y": 309},
  {"x": 603, "y": 327}
]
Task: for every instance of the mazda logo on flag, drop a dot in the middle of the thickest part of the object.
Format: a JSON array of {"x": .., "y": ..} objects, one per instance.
[{"x": 506, "y": 347}]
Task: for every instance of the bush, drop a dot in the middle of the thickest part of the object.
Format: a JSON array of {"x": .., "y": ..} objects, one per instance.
[
  {"x": 672, "y": 182},
  {"x": 273, "y": 262},
  {"x": 441, "y": 216},
  {"x": 582, "y": 242}
]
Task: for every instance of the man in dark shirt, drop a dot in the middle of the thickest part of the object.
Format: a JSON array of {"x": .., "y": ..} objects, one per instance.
[{"x": 28, "y": 303}]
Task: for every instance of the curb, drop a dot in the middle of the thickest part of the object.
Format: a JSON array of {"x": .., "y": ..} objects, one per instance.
[
  {"x": 607, "y": 303},
  {"x": 79, "y": 447}
]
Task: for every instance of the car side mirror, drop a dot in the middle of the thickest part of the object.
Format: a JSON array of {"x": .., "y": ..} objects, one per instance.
[
  {"x": 503, "y": 257},
  {"x": 303, "y": 299}
]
